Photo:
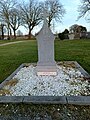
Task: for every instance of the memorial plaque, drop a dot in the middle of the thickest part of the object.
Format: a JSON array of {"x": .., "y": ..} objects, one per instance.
[{"x": 46, "y": 64}]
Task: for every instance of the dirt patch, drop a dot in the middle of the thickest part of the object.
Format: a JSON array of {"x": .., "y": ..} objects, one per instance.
[{"x": 45, "y": 112}]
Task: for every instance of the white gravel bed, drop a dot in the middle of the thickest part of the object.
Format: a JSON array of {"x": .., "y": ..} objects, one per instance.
[{"x": 66, "y": 82}]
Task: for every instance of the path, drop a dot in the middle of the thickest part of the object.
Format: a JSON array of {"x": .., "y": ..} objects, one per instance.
[{"x": 12, "y": 43}]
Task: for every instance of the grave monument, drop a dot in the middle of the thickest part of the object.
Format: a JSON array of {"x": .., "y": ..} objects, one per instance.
[{"x": 46, "y": 64}]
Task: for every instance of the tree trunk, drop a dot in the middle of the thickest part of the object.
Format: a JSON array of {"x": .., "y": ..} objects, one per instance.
[
  {"x": 8, "y": 32},
  {"x": 14, "y": 33},
  {"x": 29, "y": 35},
  {"x": 2, "y": 27},
  {"x": 49, "y": 22}
]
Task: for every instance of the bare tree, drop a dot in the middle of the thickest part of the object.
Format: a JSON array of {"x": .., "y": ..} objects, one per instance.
[
  {"x": 30, "y": 14},
  {"x": 5, "y": 7},
  {"x": 84, "y": 9},
  {"x": 73, "y": 28},
  {"x": 14, "y": 20},
  {"x": 77, "y": 29},
  {"x": 55, "y": 10}
]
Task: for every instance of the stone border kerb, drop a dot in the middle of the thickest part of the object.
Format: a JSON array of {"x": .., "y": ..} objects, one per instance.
[{"x": 75, "y": 100}]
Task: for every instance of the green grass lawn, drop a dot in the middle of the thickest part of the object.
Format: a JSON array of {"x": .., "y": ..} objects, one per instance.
[
  {"x": 6, "y": 41},
  {"x": 11, "y": 56}
]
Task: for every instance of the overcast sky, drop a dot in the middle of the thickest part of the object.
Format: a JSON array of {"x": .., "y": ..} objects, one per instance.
[
  {"x": 71, "y": 15},
  {"x": 70, "y": 18}
]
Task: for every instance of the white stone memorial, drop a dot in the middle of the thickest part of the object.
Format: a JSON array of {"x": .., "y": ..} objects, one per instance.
[{"x": 46, "y": 64}]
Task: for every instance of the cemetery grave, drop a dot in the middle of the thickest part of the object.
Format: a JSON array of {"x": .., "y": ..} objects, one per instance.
[
  {"x": 47, "y": 77},
  {"x": 68, "y": 81}
]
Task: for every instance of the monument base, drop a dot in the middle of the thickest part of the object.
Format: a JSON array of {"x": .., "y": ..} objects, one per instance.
[{"x": 46, "y": 70}]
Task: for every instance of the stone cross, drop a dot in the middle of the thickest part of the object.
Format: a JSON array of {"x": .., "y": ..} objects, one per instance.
[
  {"x": 45, "y": 14},
  {"x": 46, "y": 64}
]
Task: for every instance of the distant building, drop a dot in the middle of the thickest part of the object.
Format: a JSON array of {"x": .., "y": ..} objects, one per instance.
[
  {"x": 85, "y": 35},
  {"x": 71, "y": 36},
  {"x": 88, "y": 35},
  {"x": 79, "y": 35}
]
